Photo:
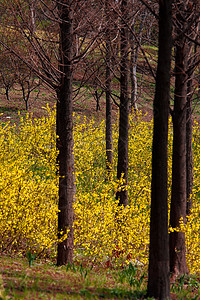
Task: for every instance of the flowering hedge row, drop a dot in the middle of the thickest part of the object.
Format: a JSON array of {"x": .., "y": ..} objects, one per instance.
[{"x": 104, "y": 232}]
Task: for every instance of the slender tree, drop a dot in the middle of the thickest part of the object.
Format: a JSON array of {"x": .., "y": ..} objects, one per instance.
[
  {"x": 65, "y": 135},
  {"x": 158, "y": 274},
  {"x": 109, "y": 142},
  {"x": 179, "y": 187},
  {"x": 134, "y": 57},
  {"x": 189, "y": 150},
  {"x": 192, "y": 62},
  {"x": 122, "y": 165},
  {"x": 182, "y": 164}
]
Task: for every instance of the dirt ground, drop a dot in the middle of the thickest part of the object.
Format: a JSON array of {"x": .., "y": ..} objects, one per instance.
[{"x": 84, "y": 104}]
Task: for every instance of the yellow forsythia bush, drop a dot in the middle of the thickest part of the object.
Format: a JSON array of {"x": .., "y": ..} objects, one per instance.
[
  {"x": 104, "y": 232},
  {"x": 28, "y": 185}
]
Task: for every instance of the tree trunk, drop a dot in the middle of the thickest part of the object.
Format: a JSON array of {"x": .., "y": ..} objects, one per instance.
[
  {"x": 158, "y": 274},
  {"x": 134, "y": 57},
  {"x": 133, "y": 69},
  {"x": 65, "y": 137},
  {"x": 179, "y": 198},
  {"x": 122, "y": 166},
  {"x": 133, "y": 77},
  {"x": 109, "y": 141},
  {"x": 32, "y": 16},
  {"x": 190, "y": 92},
  {"x": 189, "y": 150}
]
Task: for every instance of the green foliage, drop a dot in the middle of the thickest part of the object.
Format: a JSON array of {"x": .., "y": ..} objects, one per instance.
[
  {"x": 78, "y": 268},
  {"x": 31, "y": 257},
  {"x": 186, "y": 287},
  {"x": 129, "y": 275}
]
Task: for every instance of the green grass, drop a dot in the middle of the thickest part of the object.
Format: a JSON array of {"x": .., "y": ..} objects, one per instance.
[{"x": 44, "y": 280}]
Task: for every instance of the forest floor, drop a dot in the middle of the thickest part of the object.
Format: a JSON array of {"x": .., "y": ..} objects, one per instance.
[
  {"x": 43, "y": 280},
  {"x": 84, "y": 104}
]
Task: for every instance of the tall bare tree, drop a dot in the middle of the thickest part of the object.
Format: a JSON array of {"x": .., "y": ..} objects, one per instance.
[
  {"x": 178, "y": 263},
  {"x": 109, "y": 142},
  {"x": 187, "y": 13},
  {"x": 122, "y": 165},
  {"x": 65, "y": 134},
  {"x": 193, "y": 61},
  {"x": 135, "y": 46},
  {"x": 158, "y": 274}
]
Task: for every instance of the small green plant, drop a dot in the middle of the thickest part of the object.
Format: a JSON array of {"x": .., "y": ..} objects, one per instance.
[
  {"x": 31, "y": 257},
  {"x": 83, "y": 272},
  {"x": 71, "y": 267},
  {"x": 80, "y": 269},
  {"x": 185, "y": 287},
  {"x": 129, "y": 274},
  {"x": 193, "y": 283},
  {"x": 178, "y": 286}
]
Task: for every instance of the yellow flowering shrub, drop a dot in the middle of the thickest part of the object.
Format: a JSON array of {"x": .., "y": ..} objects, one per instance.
[
  {"x": 192, "y": 227},
  {"x": 103, "y": 231},
  {"x": 28, "y": 185}
]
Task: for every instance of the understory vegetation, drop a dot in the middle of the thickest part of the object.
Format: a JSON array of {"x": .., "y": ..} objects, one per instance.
[{"x": 105, "y": 233}]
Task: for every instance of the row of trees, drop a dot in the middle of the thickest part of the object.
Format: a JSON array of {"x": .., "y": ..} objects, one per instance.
[
  {"x": 169, "y": 251},
  {"x": 97, "y": 39}
]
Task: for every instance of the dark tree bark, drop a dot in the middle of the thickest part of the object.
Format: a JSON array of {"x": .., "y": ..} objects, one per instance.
[
  {"x": 122, "y": 165},
  {"x": 158, "y": 274},
  {"x": 97, "y": 98},
  {"x": 109, "y": 141},
  {"x": 190, "y": 93},
  {"x": 179, "y": 198},
  {"x": 65, "y": 136}
]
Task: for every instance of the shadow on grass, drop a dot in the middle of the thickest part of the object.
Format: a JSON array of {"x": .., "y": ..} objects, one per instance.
[
  {"x": 108, "y": 293},
  {"x": 27, "y": 292},
  {"x": 24, "y": 286}
]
